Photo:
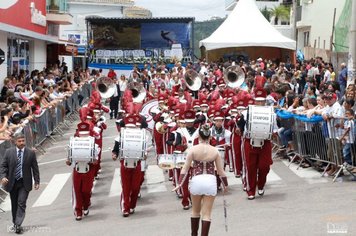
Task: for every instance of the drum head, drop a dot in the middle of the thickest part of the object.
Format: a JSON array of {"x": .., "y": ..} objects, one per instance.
[{"x": 146, "y": 112}]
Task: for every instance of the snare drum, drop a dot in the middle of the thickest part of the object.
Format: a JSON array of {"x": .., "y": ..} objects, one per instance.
[
  {"x": 82, "y": 149},
  {"x": 166, "y": 161},
  {"x": 180, "y": 160},
  {"x": 260, "y": 124},
  {"x": 133, "y": 143}
]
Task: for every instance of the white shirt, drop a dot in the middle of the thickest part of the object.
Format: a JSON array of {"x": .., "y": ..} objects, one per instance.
[
  {"x": 123, "y": 85},
  {"x": 350, "y": 138},
  {"x": 48, "y": 82},
  {"x": 327, "y": 76},
  {"x": 336, "y": 111}
]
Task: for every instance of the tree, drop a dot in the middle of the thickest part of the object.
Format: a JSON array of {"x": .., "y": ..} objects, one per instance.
[
  {"x": 266, "y": 13},
  {"x": 280, "y": 12}
]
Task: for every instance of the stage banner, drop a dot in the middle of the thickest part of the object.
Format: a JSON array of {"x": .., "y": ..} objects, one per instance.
[
  {"x": 163, "y": 35},
  {"x": 118, "y": 35}
]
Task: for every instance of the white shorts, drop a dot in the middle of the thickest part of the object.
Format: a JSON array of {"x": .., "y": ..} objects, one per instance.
[{"x": 203, "y": 184}]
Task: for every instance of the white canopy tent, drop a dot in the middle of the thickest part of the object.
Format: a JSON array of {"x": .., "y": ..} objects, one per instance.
[{"x": 246, "y": 27}]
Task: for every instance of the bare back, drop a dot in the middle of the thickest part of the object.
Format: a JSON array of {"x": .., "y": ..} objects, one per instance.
[{"x": 204, "y": 152}]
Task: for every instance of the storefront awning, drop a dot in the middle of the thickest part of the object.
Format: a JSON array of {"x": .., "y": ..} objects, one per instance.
[{"x": 27, "y": 33}]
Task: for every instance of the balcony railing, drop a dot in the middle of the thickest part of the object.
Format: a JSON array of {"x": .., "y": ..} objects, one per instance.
[{"x": 57, "y": 6}]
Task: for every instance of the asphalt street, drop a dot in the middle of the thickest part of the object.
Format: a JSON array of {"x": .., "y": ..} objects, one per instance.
[{"x": 296, "y": 202}]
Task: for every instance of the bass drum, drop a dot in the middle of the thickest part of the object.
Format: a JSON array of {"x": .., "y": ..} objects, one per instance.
[{"x": 148, "y": 110}]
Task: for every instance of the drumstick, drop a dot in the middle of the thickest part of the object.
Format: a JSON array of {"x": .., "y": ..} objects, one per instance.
[{"x": 225, "y": 211}]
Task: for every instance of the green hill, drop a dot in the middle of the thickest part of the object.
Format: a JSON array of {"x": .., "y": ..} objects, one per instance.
[{"x": 203, "y": 30}]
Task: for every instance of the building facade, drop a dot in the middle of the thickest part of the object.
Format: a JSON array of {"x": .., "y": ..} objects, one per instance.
[
  {"x": 25, "y": 31},
  {"x": 315, "y": 27},
  {"x": 137, "y": 12}
]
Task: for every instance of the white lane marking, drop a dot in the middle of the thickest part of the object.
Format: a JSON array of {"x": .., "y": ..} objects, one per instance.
[
  {"x": 50, "y": 162},
  {"x": 113, "y": 137},
  {"x": 57, "y": 146},
  {"x": 50, "y": 193},
  {"x": 155, "y": 180},
  {"x": 308, "y": 174},
  {"x": 272, "y": 178},
  {"x": 115, "y": 189}
]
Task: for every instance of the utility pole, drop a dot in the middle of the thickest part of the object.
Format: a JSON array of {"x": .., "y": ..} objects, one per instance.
[
  {"x": 351, "y": 67},
  {"x": 294, "y": 27}
]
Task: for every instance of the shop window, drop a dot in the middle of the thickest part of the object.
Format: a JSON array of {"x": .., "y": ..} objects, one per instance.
[{"x": 17, "y": 55}]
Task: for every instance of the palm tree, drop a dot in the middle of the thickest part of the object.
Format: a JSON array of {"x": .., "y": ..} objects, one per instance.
[
  {"x": 266, "y": 13},
  {"x": 280, "y": 12}
]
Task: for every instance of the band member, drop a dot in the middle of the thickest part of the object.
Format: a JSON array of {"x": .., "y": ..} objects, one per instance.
[
  {"x": 159, "y": 117},
  {"x": 203, "y": 186},
  {"x": 131, "y": 175},
  {"x": 83, "y": 173},
  {"x": 256, "y": 160},
  {"x": 237, "y": 125},
  {"x": 100, "y": 126},
  {"x": 176, "y": 141},
  {"x": 189, "y": 136},
  {"x": 220, "y": 138}
]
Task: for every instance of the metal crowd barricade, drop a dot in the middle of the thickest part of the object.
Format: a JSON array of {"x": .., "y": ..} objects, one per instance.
[
  {"x": 316, "y": 141},
  {"x": 29, "y": 136},
  {"x": 41, "y": 128},
  {"x": 50, "y": 122},
  {"x": 4, "y": 144}
]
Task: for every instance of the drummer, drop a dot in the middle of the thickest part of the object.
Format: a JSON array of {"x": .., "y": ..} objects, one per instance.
[
  {"x": 131, "y": 178},
  {"x": 256, "y": 160},
  {"x": 83, "y": 173}
]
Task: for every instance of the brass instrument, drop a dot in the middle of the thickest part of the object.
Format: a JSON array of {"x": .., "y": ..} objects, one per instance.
[
  {"x": 234, "y": 76},
  {"x": 106, "y": 87},
  {"x": 160, "y": 127},
  {"x": 193, "y": 80},
  {"x": 138, "y": 92}
]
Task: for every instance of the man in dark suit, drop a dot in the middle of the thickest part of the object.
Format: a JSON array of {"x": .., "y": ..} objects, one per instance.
[{"x": 17, "y": 167}]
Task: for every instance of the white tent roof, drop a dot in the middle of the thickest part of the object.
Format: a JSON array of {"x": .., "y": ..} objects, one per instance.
[{"x": 245, "y": 27}]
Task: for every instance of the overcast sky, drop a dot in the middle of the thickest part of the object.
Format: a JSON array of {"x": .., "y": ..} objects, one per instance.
[{"x": 200, "y": 9}]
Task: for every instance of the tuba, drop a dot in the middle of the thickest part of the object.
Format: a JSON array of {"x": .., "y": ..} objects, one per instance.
[
  {"x": 193, "y": 80},
  {"x": 138, "y": 92},
  {"x": 106, "y": 87},
  {"x": 234, "y": 76}
]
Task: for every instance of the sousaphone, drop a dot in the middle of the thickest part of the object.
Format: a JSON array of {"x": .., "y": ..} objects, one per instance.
[
  {"x": 193, "y": 80},
  {"x": 138, "y": 92},
  {"x": 106, "y": 87},
  {"x": 234, "y": 76}
]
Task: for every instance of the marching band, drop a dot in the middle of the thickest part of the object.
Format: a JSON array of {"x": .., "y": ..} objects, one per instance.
[{"x": 241, "y": 127}]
